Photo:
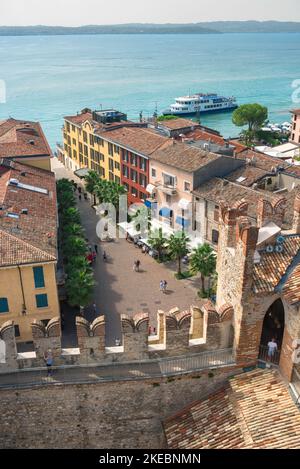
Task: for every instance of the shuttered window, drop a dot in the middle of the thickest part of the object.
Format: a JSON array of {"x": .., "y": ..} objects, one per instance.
[
  {"x": 39, "y": 280},
  {"x": 41, "y": 301},
  {"x": 4, "y": 305}
]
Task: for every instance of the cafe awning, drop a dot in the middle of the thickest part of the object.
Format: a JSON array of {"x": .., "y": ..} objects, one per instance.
[
  {"x": 150, "y": 188},
  {"x": 182, "y": 222},
  {"x": 166, "y": 212}
]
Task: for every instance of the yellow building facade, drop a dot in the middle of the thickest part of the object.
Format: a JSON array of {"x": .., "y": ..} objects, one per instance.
[
  {"x": 28, "y": 292},
  {"x": 83, "y": 148}
]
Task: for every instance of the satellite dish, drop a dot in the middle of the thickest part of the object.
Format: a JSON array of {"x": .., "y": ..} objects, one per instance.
[
  {"x": 279, "y": 248},
  {"x": 280, "y": 240},
  {"x": 270, "y": 248}
]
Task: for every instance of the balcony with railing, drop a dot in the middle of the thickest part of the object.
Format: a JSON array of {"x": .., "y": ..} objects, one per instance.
[{"x": 265, "y": 357}]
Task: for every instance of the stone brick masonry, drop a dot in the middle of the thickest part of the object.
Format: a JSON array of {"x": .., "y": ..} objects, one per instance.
[{"x": 106, "y": 415}]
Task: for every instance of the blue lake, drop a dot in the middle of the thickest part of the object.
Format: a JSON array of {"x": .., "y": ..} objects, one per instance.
[{"x": 52, "y": 76}]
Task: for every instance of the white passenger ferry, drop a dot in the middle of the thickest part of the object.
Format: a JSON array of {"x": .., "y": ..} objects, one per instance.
[{"x": 200, "y": 103}]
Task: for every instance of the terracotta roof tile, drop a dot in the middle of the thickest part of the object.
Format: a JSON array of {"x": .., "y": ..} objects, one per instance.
[
  {"x": 184, "y": 157},
  {"x": 177, "y": 124},
  {"x": 22, "y": 138},
  {"x": 138, "y": 139},
  {"x": 254, "y": 410},
  {"x": 36, "y": 230},
  {"x": 273, "y": 266},
  {"x": 251, "y": 174}
]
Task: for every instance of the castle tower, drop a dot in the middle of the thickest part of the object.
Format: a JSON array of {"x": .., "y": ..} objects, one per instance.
[{"x": 235, "y": 278}]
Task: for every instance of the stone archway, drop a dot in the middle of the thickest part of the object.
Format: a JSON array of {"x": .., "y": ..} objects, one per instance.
[{"x": 273, "y": 327}]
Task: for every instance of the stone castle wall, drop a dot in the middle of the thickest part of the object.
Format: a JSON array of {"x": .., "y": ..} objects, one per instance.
[
  {"x": 179, "y": 333},
  {"x": 106, "y": 415}
]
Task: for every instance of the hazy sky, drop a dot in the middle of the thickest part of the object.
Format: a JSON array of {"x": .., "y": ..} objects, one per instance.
[{"x": 78, "y": 12}]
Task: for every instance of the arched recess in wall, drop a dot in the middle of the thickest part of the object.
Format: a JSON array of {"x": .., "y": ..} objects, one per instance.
[{"x": 273, "y": 328}]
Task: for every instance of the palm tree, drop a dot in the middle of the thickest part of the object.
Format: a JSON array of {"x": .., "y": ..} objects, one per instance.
[
  {"x": 178, "y": 248},
  {"x": 79, "y": 286},
  {"x": 77, "y": 263},
  {"x": 69, "y": 216},
  {"x": 203, "y": 260},
  {"x": 73, "y": 229},
  {"x": 157, "y": 241},
  {"x": 74, "y": 246},
  {"x": 91, "y": 182}
]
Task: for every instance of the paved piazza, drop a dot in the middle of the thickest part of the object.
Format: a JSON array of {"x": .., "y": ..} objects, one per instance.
[{"x": 121, "y": 290}]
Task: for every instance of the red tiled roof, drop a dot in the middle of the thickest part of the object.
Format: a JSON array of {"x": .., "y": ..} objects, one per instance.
[
  {"x": 32, "y": 234},
  {"x": 185, "y": 157},
  {"x": 79, "y": 118},
  {"x": 251, "y": 175},
  {"x": 139, "y": 139},
  {"x": 22, "y": 138},
  {"x": 273, "y": 266},
  {"x": 262, "y": 161},
  {"x": 255, "y": 411},
  {"x": 291, "y": 289},
  {"x": 177, "y": 124}
]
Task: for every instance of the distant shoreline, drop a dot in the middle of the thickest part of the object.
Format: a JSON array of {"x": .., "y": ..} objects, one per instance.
[{"x": 217, "y": 27}]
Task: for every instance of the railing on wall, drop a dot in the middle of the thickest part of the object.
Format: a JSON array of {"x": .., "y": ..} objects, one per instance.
[
  {"x": 265, "y": 357},
  {"x": 117, "y": 371}
]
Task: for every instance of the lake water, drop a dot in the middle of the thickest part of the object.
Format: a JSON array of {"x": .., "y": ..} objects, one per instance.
[{"x": 49, "y": 77}]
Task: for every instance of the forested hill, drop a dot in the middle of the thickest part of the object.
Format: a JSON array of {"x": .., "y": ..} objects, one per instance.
[{"x": 216, "y": 27}]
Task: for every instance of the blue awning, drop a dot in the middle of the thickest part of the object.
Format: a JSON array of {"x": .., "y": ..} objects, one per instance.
[
  {"x": 148, "y": 203},
  {"x": 166, "y": 212},
  {"x": 182, "y": 222}
]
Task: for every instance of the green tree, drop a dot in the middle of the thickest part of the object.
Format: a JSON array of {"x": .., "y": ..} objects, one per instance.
[
  {"x": 70, "y": 216},
  {"x": 203, "y": 260},
  {"x": 73, "y": 229},
  {"x": 109, "y": 192},
  {"x": 77, "y": 263},
  {"x": 91, "y": 182},
  {"x": 79, "y": 287},
  {"x": 254, "y": 115},
  {"x": 74, "y": 246},
  {"x": 157, "y": 241},
  {"x": 178, "y": 248}
]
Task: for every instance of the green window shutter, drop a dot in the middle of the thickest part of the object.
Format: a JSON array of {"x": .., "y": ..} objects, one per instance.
[
  {"x": 4, "y": 305},
  {"x": 41, "y": 301},
  {"x": 39, "y": 280}
]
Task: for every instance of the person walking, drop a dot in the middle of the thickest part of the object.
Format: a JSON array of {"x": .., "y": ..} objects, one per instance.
[
  {"x": 79, "y": 197},
  {"x": 48, "y": 357},
  {"x": 134, "y": 266},
  {"x": 161, "y": 286},
  {"x": 272, "y": 348},
  {"x": 96, "y": 248},
  {"x": 165, "y": 284},
  {"x": 95, "y": 308},
  {"x": 138, "y": 264}
]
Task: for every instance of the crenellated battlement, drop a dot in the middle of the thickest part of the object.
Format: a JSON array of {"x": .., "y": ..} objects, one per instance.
[{"x": 179, "y": 333}]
